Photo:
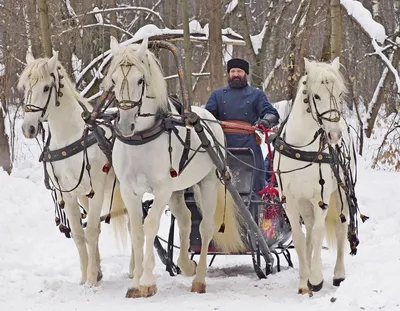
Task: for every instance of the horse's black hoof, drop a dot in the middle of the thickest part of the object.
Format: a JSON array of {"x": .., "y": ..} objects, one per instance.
[
  {"x": 336, "y": 282},
  {"x": 315, "y": 288}
]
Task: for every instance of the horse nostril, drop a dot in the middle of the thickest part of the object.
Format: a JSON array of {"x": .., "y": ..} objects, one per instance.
[
  {"x": 329, "y": 136},
  {"x": 32, "y": 130}
]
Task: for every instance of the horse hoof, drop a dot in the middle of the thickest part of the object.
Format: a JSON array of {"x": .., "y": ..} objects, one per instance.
[
  {"x": 198, "y": 288},
  {"x": 132, "y": 293},
  {"x": 305, "y": 291},
  {"x": 148, "y": 291},
  {"x": 315, "y": 288},
  {"x": 336, "y": 282},
  {"x": 99, "y": 276}
]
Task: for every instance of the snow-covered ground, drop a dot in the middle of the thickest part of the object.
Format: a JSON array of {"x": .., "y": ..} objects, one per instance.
[{"x": 39, "y": 267}]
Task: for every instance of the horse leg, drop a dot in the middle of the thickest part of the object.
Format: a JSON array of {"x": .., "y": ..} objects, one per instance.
[
  {"x": 316, "y": 280},
  {"x": 132, "y": 260},
  {"x": 308, "y": 219},
  {"x": 182, "y": 214},
  {"x": 208, "y": 188},
  {"x": 133, "y": 204},
  {"x": 92, "y": 236},
  {"x": 341, "y": 235},
  {"x": 299, "y": 242},
  {"x": 78, "y": 235},
  {"x": 151, "y": 225}
]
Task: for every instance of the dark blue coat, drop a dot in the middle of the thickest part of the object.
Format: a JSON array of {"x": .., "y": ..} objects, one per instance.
[{"x": 248, "y": 104}]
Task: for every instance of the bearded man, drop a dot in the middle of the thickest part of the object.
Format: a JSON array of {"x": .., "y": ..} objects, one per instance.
[{"x": 241, "y": 103}]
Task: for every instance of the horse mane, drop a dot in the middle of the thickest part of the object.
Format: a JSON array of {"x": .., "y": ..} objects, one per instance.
[
  {"x": 149, "y": 66},
  {"x": 319, "y": 72},
  {"x": 37, "y": 70}
]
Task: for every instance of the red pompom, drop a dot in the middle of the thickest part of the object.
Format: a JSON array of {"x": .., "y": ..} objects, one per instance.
[
  {"x": 173, "y": 173},
  {"x": 106, "y": 167}
]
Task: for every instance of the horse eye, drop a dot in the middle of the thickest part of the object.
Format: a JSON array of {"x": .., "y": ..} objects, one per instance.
[
  {"x": 46, "y": 88},
  {"x": 112, "y": 80},
  {"x": 141, "y": 80},
  {"x": 316, "y": 96}
]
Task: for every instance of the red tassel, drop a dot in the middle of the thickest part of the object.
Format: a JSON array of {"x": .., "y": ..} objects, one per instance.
[
  {"x": 173, "y": 173},
  {"x": 106, "y": 167}
]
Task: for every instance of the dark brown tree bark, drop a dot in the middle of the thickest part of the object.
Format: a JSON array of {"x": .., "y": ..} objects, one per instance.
[
  {"x": 45, "y": 28},
  {"x": 214, "y": 8}
]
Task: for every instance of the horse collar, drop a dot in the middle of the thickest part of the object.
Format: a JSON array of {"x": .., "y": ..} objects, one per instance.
[
  {"x": 306, "y": 156},
  {"x": 84, "y": 142}
]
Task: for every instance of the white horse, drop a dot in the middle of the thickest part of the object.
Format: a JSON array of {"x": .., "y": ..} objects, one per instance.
[
  {"x": 50, "y": 96},
  {"x": 150, "y": 165},
  {"x": 310, "y": 188}
]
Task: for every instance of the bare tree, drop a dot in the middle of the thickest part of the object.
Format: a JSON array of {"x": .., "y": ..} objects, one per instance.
[
  {"x": 215, "y": 43},
  {"x": 44, "y": 27},
  {"x": 5, "y": 156},
  {"x": 187, "y": 47},
  {"x": 336, "y": 29}
]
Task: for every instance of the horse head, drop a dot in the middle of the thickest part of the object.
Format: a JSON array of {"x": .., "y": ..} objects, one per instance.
[
  {"x": 138, "y": 83},
  {"x": 40, "y": 82},
  {"x": 323, "y": 89}
]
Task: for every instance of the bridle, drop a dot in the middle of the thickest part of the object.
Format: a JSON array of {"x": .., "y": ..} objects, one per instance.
[
  {"x": 128, "y": 103},
  {"x": 318, "y": 116},
  {"x": 33, "y": 108}
]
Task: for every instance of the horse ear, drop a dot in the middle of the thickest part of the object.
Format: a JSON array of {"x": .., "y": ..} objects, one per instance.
[
  {"x": 29, "y": 57},
  {"x": 335, "y": 63},
  {"x": 141, "y": 51},
  {"x": 307, "y": 64},
  {"x": 52, "y": 63},
  {"x": 114, "y": 46}
]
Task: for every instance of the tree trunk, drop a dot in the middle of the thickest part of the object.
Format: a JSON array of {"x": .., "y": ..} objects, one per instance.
[
  {"x": 336, "y": 29},
  {"x": 188, "y": 48},
  {"x": 296, "y": 57},
  {"x": 215, "y": 43},
  {"x": 376, "y": 10},
  {"x": 45, "y": 28},
  {"x": 382, "y": 94},
  {"x": 113, "y": 19},
  {"x": 5, "y": 157},
  {"x": 33, "y": 27},
  {"x": 326, "y": 48}
]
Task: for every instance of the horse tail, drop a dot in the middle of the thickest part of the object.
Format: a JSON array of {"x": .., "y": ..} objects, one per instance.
[
  {"x": 117, "y": 218},
  {"x": 330, "y": 222},
  {"x": 227, "y": 213}
]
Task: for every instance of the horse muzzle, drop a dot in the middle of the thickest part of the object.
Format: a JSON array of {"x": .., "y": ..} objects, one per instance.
[
  {"x": 334, "y": 136},
  {"x": 124, "y": 131},
  {"x": 29, "y": 131}
]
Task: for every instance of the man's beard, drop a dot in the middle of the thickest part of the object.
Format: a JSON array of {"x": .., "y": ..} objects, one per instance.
[{"x": 237, "y": 82}]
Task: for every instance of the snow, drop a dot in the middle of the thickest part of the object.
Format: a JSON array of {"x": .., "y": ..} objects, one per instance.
[
  {"x": 231, "y": 6},
  {"x": 98, "y": 16},
  {"x": 375, "y": 30},
  {"x": 39, "y": 267}
]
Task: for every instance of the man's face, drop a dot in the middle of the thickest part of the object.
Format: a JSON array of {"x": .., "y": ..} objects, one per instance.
[
  {"x": 237, "y": 78},
  {"x": 235, "y": 73}
]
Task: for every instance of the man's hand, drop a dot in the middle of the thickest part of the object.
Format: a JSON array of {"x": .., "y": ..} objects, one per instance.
[
  {"x": 264, "y": 122},
  {"x": 268, "y": 121}
]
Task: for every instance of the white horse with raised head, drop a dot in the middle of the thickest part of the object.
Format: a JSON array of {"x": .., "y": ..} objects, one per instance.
[
  {"x": 306, "y": 176},
  {"x": 73, "y": 160},
  {"x": 146, "y": 158}
]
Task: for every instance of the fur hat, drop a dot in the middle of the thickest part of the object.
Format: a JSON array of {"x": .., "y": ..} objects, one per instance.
[{"x": 238, "y": 63}]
